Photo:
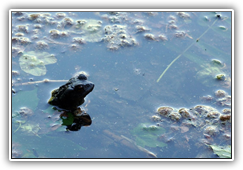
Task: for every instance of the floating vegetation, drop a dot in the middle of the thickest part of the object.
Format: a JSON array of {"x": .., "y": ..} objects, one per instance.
[
  {"x": 216, "y": 62},
  {"x": 67, "y": 22},
  {"x": 57, "y": 34},
  {"x": 164, "y": 111},
  {"x": 15, "y": 73},
  {"x": 91, "y": 29},
  {"x": 22, "y": 28},
  {"x": 54, "y": 33},
  {"x": 41, "y": 45},
  {"x": 182, "y": 34},
  {"x": 34, "y": 63},
  {"x": 221, "y": 99},
  {"x": 178, "y": 128},
  {"x": 146, "y": 135},
  {"x": 78, "y": 40},
  {"x": 25, "y": 111},
  {"x": 202, "y": 124},
  {"x": 33, "y": 16},
  {"x": 117, "y": 36},
  {"x": 141, "y": 28},
  {"x": 150, "y": 37},
  {"x": 129, "y": 144},
  {"x": 211, "y": 71},
  {"x": 223, "y": 28},
  {"x": 220, "y": 77},
  {"x": 222, "y": 151},
  {"x": 175, "y": 116},
  {"x": 60, "y": 15},
  {"x": 21, "y": 40},
  {"x": 183, "y": 15},
  {"x": 162, "y": 37},
  {"x": 19, "y": 34},
  {"x": 29, "y": 128},
  {"x": 156, "y": 118}
]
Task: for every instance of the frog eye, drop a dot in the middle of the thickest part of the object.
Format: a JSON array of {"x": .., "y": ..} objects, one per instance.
[
  {"x": 82, "y": 77},
  {"x": 80, "y": 87}
]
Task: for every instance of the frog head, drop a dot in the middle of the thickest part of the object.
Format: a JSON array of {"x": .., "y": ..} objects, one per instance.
[{"x": 70, "y": 95}]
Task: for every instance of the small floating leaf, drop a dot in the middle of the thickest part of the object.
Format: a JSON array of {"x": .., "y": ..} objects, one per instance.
[
  {"x": 34, "y": 63},
  {"x": 222, "y": 151}
]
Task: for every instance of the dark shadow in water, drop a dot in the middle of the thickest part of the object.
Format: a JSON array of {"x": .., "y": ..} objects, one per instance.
[{"x": 75, "y": 122}]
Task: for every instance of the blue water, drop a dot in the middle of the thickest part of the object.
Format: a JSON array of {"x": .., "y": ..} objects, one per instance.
[{"x": 126, "y": 93}]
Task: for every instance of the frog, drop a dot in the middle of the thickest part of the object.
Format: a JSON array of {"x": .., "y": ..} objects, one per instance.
[{"x": 71, "y": 95}]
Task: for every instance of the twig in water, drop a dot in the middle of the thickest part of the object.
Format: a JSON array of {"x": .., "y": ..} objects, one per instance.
[
  {"x": 184, "y": 52},
  {"x": 41, "y": 81}
]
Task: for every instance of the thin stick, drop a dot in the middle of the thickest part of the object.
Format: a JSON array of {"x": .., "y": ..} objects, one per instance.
[
  {"x": 42, "y": 81},
  {"x": 184, "y": 52}
]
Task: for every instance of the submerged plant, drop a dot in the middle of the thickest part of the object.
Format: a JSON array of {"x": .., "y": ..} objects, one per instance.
[{"x": 146, "y": 135}]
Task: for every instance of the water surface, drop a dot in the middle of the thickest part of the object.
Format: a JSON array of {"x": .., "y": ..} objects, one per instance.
[{"x": 126, "y": 93}]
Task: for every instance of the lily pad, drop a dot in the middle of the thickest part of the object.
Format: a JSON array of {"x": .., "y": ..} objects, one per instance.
[
  {"x": 147, "y": 135},
  {"x": 34, "y": 63},
  {"x": 222, "y": 151}
]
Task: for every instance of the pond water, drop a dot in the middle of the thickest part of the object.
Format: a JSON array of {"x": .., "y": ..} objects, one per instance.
[{"x": 124, "y": 55}]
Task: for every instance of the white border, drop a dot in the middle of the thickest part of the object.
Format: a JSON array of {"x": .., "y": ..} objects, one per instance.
[{"x": 120, "y": 10}]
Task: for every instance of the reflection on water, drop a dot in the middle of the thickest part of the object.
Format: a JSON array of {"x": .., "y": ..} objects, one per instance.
[
  {"x": 74, "y": 121},
  {"x": 124, "y": 53}
]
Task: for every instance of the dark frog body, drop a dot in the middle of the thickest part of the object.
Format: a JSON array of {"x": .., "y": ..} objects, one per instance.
[{"x": 72, "y": 94}]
